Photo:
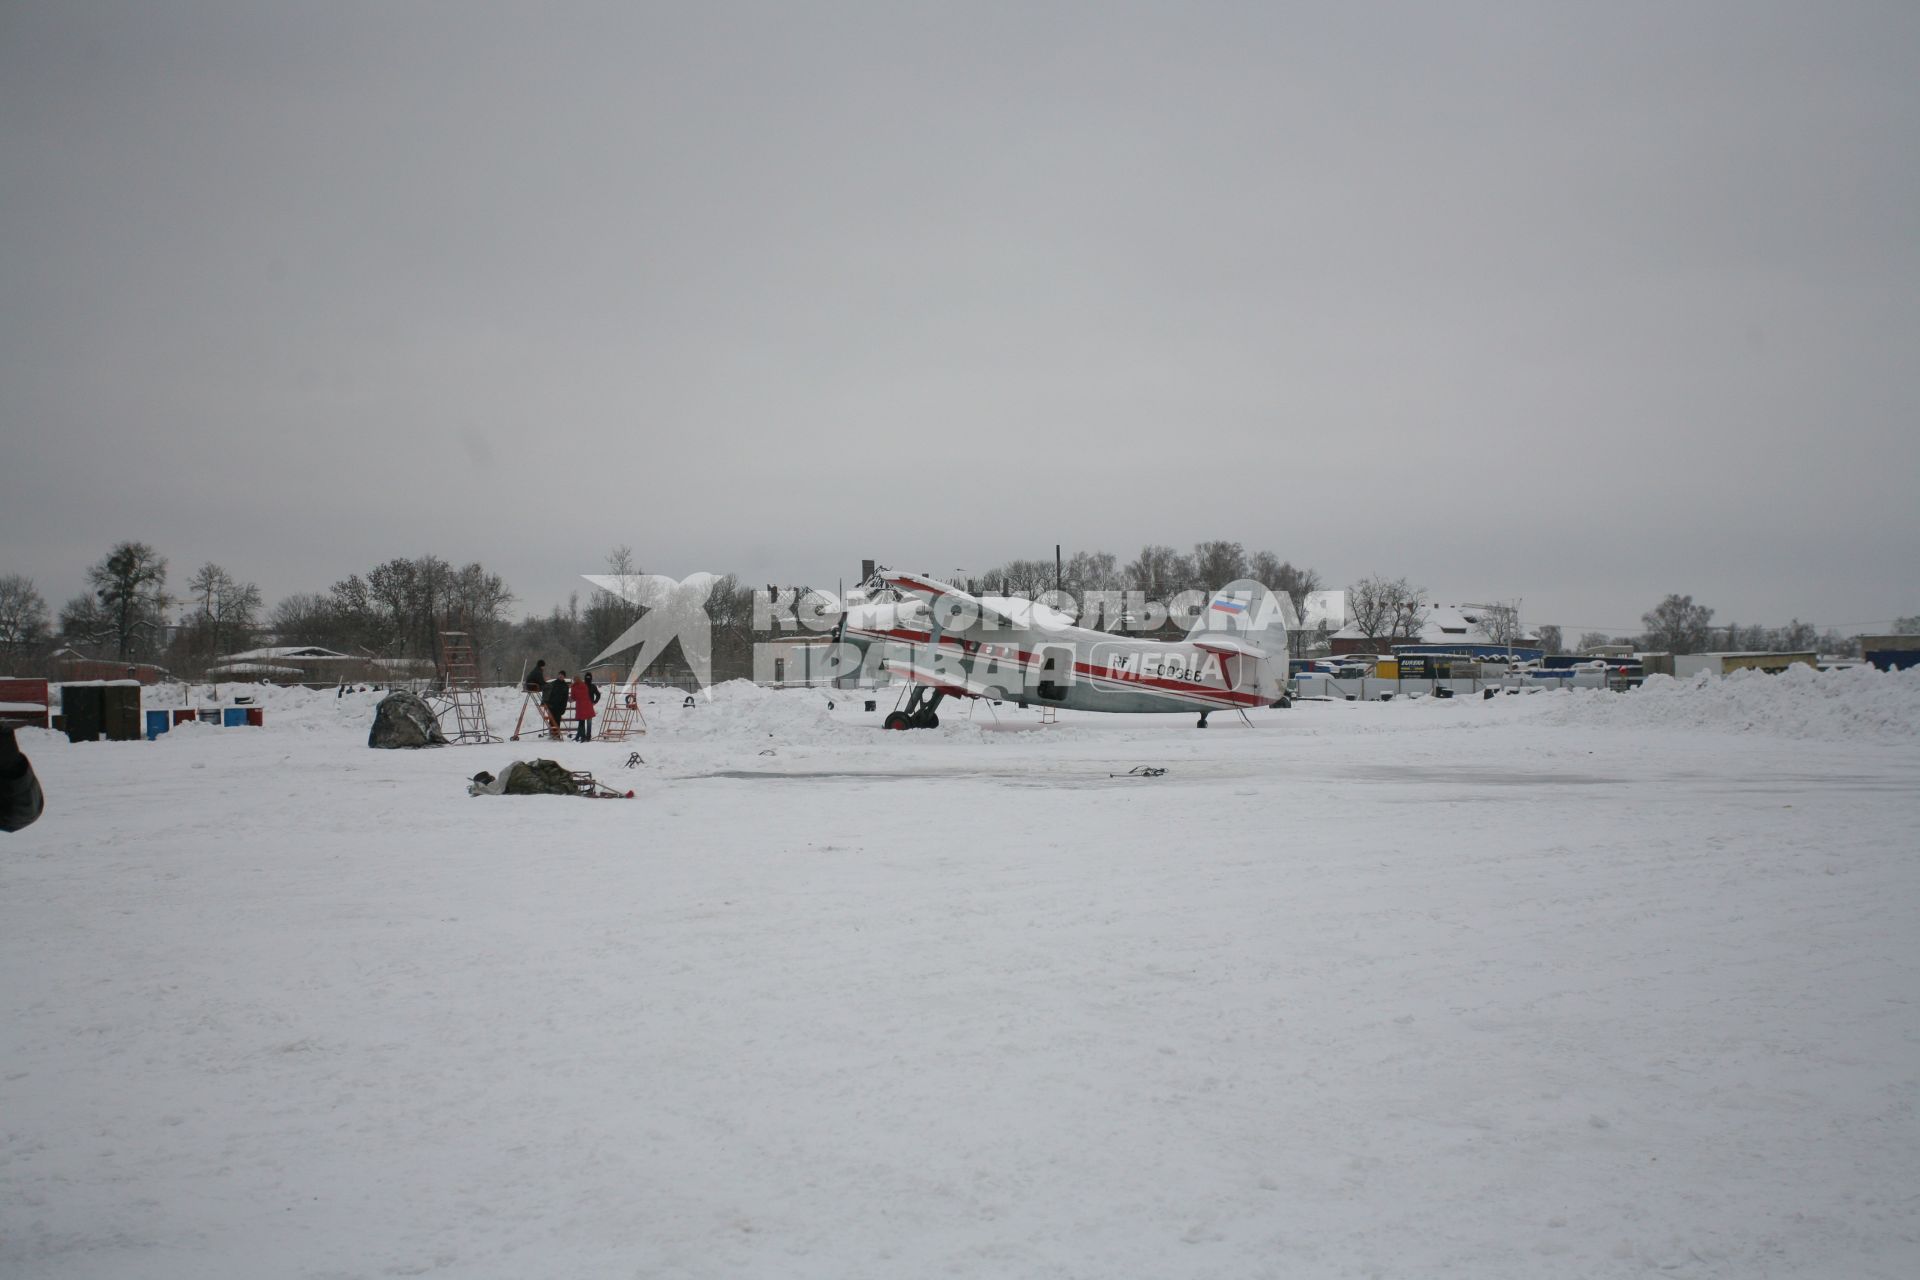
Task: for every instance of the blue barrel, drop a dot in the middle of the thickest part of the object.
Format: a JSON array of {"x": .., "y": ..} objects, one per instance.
[
  {"x": 230, "y": 716},
  {"x": 158, "y": 722}
]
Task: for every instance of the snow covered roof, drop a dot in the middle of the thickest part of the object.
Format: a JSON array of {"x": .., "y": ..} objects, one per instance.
[
  {"x": 301, "y": 652},
  {"x": 1449, "y": 624},
  {"x": 254, "y": 669}
]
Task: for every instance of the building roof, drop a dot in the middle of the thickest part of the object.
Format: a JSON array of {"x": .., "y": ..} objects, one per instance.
[
  {"x": 1450, "y": 624},
  {"x": 294, "y": 652}
]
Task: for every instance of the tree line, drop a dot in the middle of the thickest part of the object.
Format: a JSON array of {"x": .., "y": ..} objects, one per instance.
[
  {"x": 398, "y": 608},
  {"x": 1679, "y": 625}
]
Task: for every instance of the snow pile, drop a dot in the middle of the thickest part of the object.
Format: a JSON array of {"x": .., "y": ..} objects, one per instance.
[
  {"x": 1859, "y": 702},
  {"x": 742, "y": 709}
]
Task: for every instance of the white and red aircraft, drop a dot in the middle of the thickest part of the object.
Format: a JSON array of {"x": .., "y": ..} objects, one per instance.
[{"x": 948, "y": 642}]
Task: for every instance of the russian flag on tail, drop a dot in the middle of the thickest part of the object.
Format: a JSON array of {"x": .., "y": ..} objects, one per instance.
[{"x": 1224, "y": 605}]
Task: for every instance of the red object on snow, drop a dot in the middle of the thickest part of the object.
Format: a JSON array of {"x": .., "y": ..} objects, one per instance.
[
  {"x": 582, "y": 701},
  {"x": 26, "y": 701}
]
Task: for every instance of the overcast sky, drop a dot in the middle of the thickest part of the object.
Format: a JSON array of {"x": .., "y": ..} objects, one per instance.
[{"x": 1576, "y": 303}]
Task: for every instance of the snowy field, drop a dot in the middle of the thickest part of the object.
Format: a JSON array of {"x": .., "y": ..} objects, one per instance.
[{"x": 1555, "y": 985}]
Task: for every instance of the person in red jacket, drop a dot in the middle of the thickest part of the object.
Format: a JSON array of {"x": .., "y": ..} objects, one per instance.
[{"x": 583, "y": 709}]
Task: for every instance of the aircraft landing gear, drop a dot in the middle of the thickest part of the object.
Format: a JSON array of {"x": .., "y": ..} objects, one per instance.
[
  {"x": 919, "y": 712},
  {"x": 1203, "y": 720}
]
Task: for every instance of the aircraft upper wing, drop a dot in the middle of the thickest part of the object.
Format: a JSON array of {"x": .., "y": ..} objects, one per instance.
[{"x": 920, "y": 584}]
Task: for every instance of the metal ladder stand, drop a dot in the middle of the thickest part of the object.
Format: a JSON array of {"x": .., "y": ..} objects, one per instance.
[
  {"x": 460, "y": 689},
  {"x": 546, "y": 724},
  {"x": 620, "y": 716}
]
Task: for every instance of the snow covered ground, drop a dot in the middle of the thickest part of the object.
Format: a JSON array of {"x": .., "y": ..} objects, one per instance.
[{"x": 1562, "y": 984}]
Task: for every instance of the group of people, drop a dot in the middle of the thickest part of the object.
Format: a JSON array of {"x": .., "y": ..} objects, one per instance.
[{"x": 555, "y": 693}]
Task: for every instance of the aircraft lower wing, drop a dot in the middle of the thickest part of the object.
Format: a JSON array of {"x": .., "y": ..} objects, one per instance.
[
  {"x": 954, "y": 683},
  {"x": 1224, "y": 644}
]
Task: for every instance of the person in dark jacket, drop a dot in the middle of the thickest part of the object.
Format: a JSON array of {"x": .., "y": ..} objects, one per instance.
[
  {"x": 583, "y": 710},
  {"x": 536, "y": 681},
  {"x": 20, "y": 797},
  {"x": 593, "y": 690},
  {"x": 556, "y": 695}
]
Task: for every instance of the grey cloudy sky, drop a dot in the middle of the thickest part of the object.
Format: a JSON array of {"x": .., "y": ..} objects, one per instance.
[{"x": 1578, "y": 303}]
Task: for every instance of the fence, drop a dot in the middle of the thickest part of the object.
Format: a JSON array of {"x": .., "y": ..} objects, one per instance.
[{"x": 1378, "y": 689}]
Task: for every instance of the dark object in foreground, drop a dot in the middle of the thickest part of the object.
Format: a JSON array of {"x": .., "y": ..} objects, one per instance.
[
  {"x": 21, "y": 800},
  {"x": 404, "y": 720},
  {"x": 543, "y": 778}
]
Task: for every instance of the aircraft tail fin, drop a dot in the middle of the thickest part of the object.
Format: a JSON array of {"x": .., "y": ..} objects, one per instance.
[{"x": 1249, "y": 611}]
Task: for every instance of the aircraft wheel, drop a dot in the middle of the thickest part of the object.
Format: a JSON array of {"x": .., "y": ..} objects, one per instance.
[
  {"x": 898, "y": 720},
  {"x": 929, "y": 720},
  {"x": 1202, "y": 724}
]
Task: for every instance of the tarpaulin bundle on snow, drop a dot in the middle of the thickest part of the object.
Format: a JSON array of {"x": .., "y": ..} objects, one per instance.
[
  {"x": 542, "y": 778},
  {"x": 404, "y": 720}
]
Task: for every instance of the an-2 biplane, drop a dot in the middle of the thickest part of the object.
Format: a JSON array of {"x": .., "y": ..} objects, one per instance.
[{"x": 951, "y": 643}]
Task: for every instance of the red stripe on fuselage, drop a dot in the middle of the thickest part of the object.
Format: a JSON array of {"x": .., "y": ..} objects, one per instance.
[{"x": 1160, "y": 684}]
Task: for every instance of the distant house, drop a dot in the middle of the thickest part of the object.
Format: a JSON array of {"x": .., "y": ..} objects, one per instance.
[
  {"x": 70, "y": 665},
  {"x": 1445, "y": 628},
  {"x": 1891, "y": 653},
  {"x": 312, "y": 664},
  {"x": 1727, "y": 662},
  {"x": 308, "y": 660}
]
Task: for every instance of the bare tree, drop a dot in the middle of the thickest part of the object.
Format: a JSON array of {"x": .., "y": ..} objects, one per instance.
[
  {"x": 310, "y": 618},
  {"x": 1296, "y": 585},
  {"x": 23, "y": 618},
  {"x": 1907, "y": 626},
  {"x": 1831, "y": 641},
  {"x": 608, "y": 614},
  {"x": 131, "y": 586},
  {"x": 399, "y": 608},
  {"x": 1160, "y": 573},
  {"x": 1093, "y": 571},
  {"x": 1591, "y": 640},
  {"x": 479, "y": 599},
  {"x": 84, "y": 623},
  {"x": 1500, "y": 622},
  {"x": 1215, "y": 564},
  {"x": 1021, "y": 578},
  {"x": 1386, "y": 610},
  {"x": 1677, "y": 625},
  {"x": 1796, "y": 637},
  {"x": 1280, "y": 575},
  {"x": 225, "y": 610},
  {"x": 730, "y": 609},
  {"x": 1550, "y": 641}
]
